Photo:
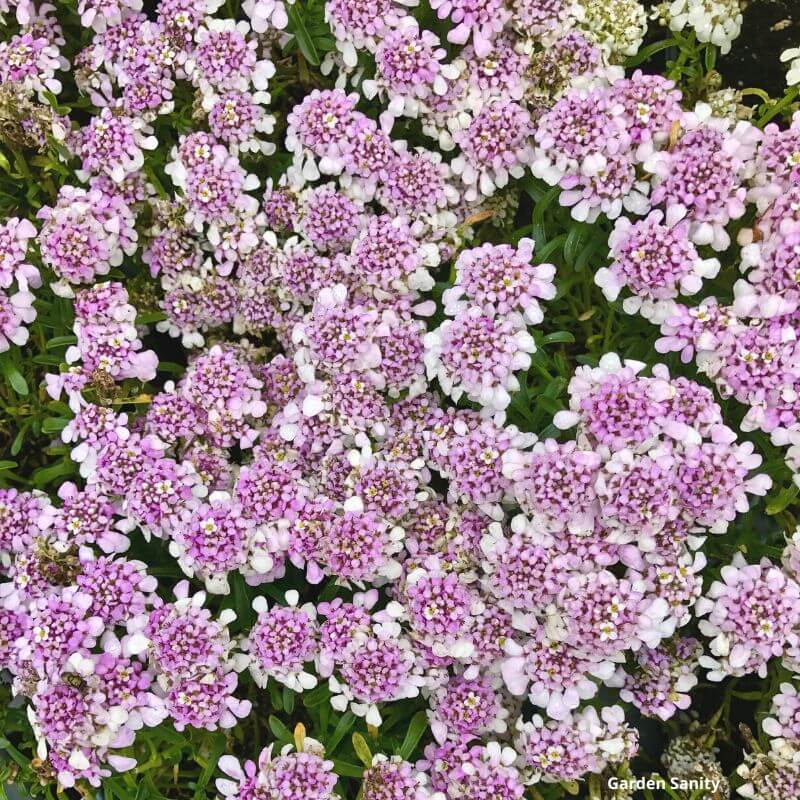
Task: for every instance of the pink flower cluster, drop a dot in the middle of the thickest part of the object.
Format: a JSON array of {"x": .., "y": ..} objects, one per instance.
[
  {"x": 706, "y": 172},
  {"x": 363, "y": 441},
  {"x": 601, "y": 562}
]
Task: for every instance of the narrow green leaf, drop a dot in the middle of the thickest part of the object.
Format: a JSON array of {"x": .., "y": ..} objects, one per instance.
[
  {"x": 362, "y": 749},
  {"x": 279, "y": 730},
  {"x": 53, "y": 100},
  {"x": 550, "y": 405},
  {"x": 343, "y": 727},
  {"x": 32, "y": 195},
  {"x": 12, "y": 751},
  {"x": 559, "y": 337},
  {"x": 537, "y": 218},
  {"x": 649, "y": 51},
  {"x": 119, "y": 789},
  {"x": 554, "y": 388},
  {"x": 54, "y": 425},
  {"x": 45, "y": 475},
  {"x": 288, "y": 700},
  {"x": 149, "y": 317},
  {"x": 171, "y": 366},
  {"x": 13, "y": 376},
  {"x": 594, "y": 247},
  {"x": 50, "y": 361},
  {"x": 416, "y": 728},
  {"x": 710, "y": 57},
  {"x": 275, "y": 696},
  {"x": 241, "y": 601},
  {"x": 301, "y": 34},
  {"x": 316, "y": 697},
  {"x": 208, "y": 771},
  {"x": 347, "y": 770},
  {"x": 61, "y": 341},
  {"x": 550, "y": 247},
  {"x": 59, "y": 407},
  {"x": 16, "y": 445},
  {"x": 574, "y": 243},
  {"x": 154, "y": 179},
  {"x": 778, "y": 503}
]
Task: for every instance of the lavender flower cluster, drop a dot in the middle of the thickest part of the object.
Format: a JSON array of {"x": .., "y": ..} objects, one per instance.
[{"x": 512, "y": 583}]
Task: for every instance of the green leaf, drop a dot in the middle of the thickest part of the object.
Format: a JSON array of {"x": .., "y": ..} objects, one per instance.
[
  {"x": 288, "y": 700},
  {"x": 362, "y": 749},
  {"x": 778, "y": 503},
  {"x": 171, "y": 366},
  {"x": 118, "y": 788},
  {"x": 54, "y": 425},
  {"x": 32, "y": 195},
  {"x": 316, "y": 697},
  {"x": 559, "y": 337},
  {"x": 710, "y": 57},
  {"x": 208, "y": 771},
  {"x": 58, "y": 407},
  {"x": 554, "y": 388},
  {"x": 46, "y": 475},
  {"x": 343, "y": 727},
  {"x": 154, "y": 179},
  {"x": 347, "y": 770},
  {"x": 4, "y": 465},
  {"x": 275, "y": 696},
  {"x": 537, "y": 218},
  {"x": 242, "y": 603},
  {"x": 16, "y": 445},
  {"x": 12, "y": 751},
  {"x": 50, "y": 361},
  {"x": 143, "y": 792},
  {"x": 650, "y": 50},
  {"x": 574, "y": 243},
  {"x": 550, "y": 405},
  {"x": 303, "y": 37},
  {"x": 12, "y": 375},
  {"x": 149, "y": 317},
  {"x": 61, "y": 341},
  {"x": 279, "y": 730},
  {"x": 325, "y": 43},
  {"x": 586, "y": 253},
  {"x": 53, "y": 100},
  {"x": 520, "y": 405},
  {"x": 416, "y": 728},
  {"x": 550, "y": 247}
]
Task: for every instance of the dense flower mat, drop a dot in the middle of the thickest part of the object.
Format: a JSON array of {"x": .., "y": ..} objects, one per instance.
[{"x": 398, "y": 402}]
